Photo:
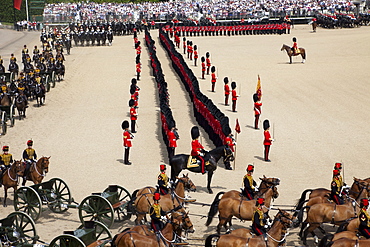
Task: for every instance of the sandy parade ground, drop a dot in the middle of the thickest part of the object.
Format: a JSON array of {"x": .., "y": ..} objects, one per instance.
[{"x": 319, "y": 111}]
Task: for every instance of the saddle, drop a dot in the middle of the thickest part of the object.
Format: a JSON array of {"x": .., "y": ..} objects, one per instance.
[{"x": 195, "y": 161}]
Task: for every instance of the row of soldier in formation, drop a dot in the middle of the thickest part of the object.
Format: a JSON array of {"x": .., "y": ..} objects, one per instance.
[{"x": 6, "y": 159}]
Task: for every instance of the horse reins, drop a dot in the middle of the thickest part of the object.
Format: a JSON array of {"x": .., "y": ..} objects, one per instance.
[{"x": 13, "y": 179}]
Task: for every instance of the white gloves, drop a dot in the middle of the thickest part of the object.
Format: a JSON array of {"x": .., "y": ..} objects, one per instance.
[{"x": 256, "y": 189}]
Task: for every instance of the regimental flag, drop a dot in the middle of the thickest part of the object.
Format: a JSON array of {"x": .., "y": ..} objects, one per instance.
[
  {"x": 17, "y": 4},
  {"x": 237, "y": 127},
  {"x": 259, "y": 89}
]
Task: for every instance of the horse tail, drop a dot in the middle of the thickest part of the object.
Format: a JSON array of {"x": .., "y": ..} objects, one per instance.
[
  {"x": 300, "y": 213},
  {"x": 324, "y": 240},
  {"x": 214, "y": 206},
  {"x": 343, "y": 227},
  {"x": 208, "y": 242},
  {"x": 299, "y": 206},
  {"x": 133, "y": 196}
]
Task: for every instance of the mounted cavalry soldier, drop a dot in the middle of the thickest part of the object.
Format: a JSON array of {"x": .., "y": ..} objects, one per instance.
[
  {"x": 230, "y": 143},
  {"x": 364, "y": 217},
  {"x": 156, "y": 214},
  {"x": 259, "y": 220},
  {"x": 163, "y": 180},
  {"x": 6, "y": 161},
  {"x": 249, "y": 183},
  {"x": 29, "y": 156},
  {"x": 295, "y": 50},
  {"x": 336, "y": 188},
  {"x": 24, "y": 53},
  {"x": 196, "y": 147}
]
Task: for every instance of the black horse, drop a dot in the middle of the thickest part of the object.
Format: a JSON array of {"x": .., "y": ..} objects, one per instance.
[{"x": 180, "y": 161}]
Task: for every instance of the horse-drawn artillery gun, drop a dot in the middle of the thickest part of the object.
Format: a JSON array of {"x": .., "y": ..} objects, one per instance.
[
  {"x": 17, "y": 229},
  {"x": 48, "y": 79},
  {"x": 56, "y": 194}
]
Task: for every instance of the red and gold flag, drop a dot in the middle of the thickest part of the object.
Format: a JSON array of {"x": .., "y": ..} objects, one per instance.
[{"x": 259, "y": 89}]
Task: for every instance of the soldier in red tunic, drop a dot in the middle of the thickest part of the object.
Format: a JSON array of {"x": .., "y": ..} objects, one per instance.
[
  {"x": 184, "y": 44},
  {"x": 203, "y": 66},
  {"x": 133, "y": 114},
  {"x": 173, "y": 136},
  {"x": 213, "y": 78},
  {"x": 295, "y": 46},
  {"x": 195, "y": 55},
  {"x": 257, "y": 110},
  {"x": 227, "y": 90},
  {"x": 196, "y": 147},
  {"x": 268, "y": 140},
  {"x": 138, "y": 70},
  {"x": 230, "y": 143},
  {"x": 191, "y": 50},
  {"x": 208, "y": 62},
  {"x": 127, "y": 137},
  {"x": 234, "y": 96}
]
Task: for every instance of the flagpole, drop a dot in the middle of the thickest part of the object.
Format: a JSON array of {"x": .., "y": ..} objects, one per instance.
[
  {"x": 28, "y": 19},
  {"x": 236, "y": 140}
]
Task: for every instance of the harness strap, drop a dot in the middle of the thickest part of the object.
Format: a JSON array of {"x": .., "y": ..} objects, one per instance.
[
  {"x": 332, "y": 217},
  {"x": 13, "y": 179},
  {"x": 132, "y": 239}
]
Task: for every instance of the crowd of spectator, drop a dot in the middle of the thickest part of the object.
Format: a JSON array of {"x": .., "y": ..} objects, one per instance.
[{"x": 217, "y": 9}]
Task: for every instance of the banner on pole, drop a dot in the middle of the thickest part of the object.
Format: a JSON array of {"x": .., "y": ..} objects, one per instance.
[{"x": 17, "y": 4}]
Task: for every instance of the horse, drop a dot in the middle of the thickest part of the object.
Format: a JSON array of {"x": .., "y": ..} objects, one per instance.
[
  {"x": 265, "y": 184},
  {"x": 59, "y": 70},
  {"x": 242, "y": 209},
  {"x": 21, "y": 105},
  {"x": 13, "y": 67},
  {"x": 274, "y": 237},
  {"x": 5, "y": 99},
  {"x": 10, "y": 178},
  {"x": 40, "y": 94},
  {"x": 135, "y": 239},
  {"x": 289, "y": 52},
  {"x": 180, "y": 161},
  {"x": 173, "y": 200},
  {"x": 329, "y": 213},
  {"x": 345, "y": 242},
  {"x": 2, "y": 69},
  {"x": 37, "y": 171},
  {"x": 333, "y": 237}
]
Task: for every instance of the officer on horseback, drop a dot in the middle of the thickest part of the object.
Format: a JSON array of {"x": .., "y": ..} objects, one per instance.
[
  {"x": 29, "y": 156},
  {"x": 259, "y": 221},
  {"x": 230, "y": 143},
  {"x": 156, "y": 214},
  {"x": 364, "y": 227},
  {"x": 249, "y": 183},
  {"x": 6, "y": 160},
  {"x": 295, "y": 46},
  {"x": 336, "y": 189},
  {"x": 196, "y": 147},
  {"x": 163, "y": 180}
]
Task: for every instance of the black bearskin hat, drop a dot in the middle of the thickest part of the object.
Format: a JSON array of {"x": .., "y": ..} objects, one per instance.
[
  {"x": 132, "y": 89},
  {"x": 171, "y": 124},
  {"x": 255, "y": 97},
  {"x": 188, "y": 42},
  {"x": 294, "y": 39},
  {"x": 184, "y": 39},
  {"x": 131, "y": 103},
  {"x": 266, "y": 124},
  {"x": 195, "y": 47},
  {"x": 213, "y": 69},
  {"x": 207, "y": 54},
  {"x": 233, "y": 85},
  {"x": 133, "y": 81},
  {"x": 191, "y": 43},
  {"x": 195, "y": 132},
  {"x": 226, "y": 80},
  {"x": 227, "y": 131},
  {"x": 137, "y": 59},
  {"x": 202, "y": 59},
  {"x": 125, "y": 124}
]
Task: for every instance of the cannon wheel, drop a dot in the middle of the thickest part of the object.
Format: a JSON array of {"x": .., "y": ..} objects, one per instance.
[
  {"x": 96, "y": 208},
  {"x": 27, "y": 200},
  {"x": 11, "y": 115},
  {"x": 102, "y": 233},
  {"x": 3, "y": 123},
  {"x": 12, "y": 76},
  {"x": 123, "y": 195},
  {"x": 66, "y": 240},
  {"x": 53, "y": 79},
  {"x": 47, "y": 83},
  {"x": 24, "y": 225},
  {"x": 62, "y": 195}
]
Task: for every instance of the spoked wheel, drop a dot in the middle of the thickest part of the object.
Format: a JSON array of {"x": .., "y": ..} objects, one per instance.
[
  {"x": 47, "y": 83},
  {"x": 53, "y": 79},
  {"x": 12, "y": 76},
  {"x": 102, "y": 233},
  {"x": 96, "y": 208},
  {"x": 124, "y": 198},
  {"x": 27, "y": 200},
  {"x": 11, "y": 115},
  {"x": 25, "y": 227},
  {"x": 67, "y": 240},
  {"x": 60, "y": 196},
  {"x": 3, "y": 123}
]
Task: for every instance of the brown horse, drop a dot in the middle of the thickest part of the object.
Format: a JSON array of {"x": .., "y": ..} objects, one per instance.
[
  {"x": 345, "y": 242},
  {"x": 330, "y": 213},
  {"x": 21, "y": 105},
  {"x": 332, "y": 238},
  {"x": 135, "y": 239},
  {"x": 290, "y": 53},
  {"x": 11, "y": 176},
  {"x": 275, "y": 236},
  {"x": 266, "y": 183},
  {"x": 5, "y": 100},
  {"x": 242, "y": 209},
  {"x": 168, "y": 202},
  {"x": 37, "y": 171}
]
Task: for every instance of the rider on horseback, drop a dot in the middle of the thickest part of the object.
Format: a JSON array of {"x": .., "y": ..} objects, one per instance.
[
  {"x": 156, "y": 213},
  {"x": 29, "y": 156},
  {"x": 196, "y": 147},
  {"x": 163, "y": 180},
  {"x": 295, "y": 46},
  {"x": 249, "y": 183},
  {"x": 6, "y": 160},
  {"x": 364, "y": 217},
  {"x": 336, "y": 188},
  {"x": 259, "y": 220}
]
